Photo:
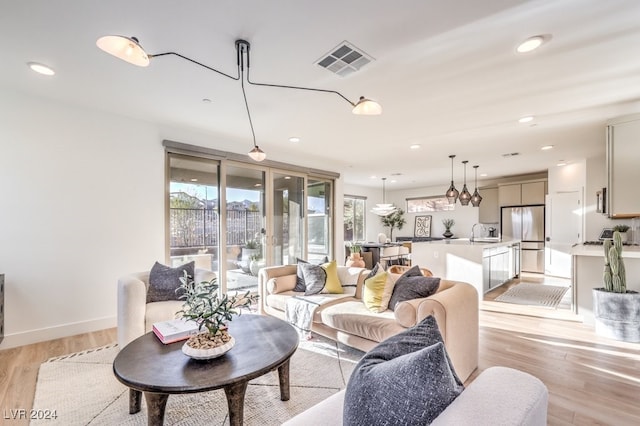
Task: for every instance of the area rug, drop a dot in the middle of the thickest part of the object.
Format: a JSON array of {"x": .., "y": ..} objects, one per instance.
[
  {"x": 82, "y": 390},
  {"x": 533, "y": 295}
]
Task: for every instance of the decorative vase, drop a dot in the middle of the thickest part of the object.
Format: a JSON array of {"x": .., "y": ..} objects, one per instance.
[
  {"x": 617, "y": 315},
  {"x": 355, "y": 260},
  {"x": 255, "y": 266},
  {"x": 447, "y": 233},
  {"x": 207, "y": 352}
]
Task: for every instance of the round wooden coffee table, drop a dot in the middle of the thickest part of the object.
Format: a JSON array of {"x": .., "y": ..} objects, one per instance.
[{"x": 263, "y": 344}]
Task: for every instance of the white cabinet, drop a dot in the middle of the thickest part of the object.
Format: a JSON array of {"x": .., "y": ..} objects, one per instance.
[
  {"x": 526, "y": 193},
  {"x": 489, "y": 209},
  {"x": 623, "y": 157}
]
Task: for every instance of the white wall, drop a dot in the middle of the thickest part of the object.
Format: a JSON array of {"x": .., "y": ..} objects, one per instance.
[{"x": 82, "y": 204}]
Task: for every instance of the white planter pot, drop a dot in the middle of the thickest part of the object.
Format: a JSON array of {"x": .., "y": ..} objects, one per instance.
[{"x": 617, "y": 315}]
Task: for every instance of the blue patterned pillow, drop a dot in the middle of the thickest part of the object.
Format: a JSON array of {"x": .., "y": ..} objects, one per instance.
[
  {"x": 165, "y": 280},
  {"x": 407, "y": 379}
]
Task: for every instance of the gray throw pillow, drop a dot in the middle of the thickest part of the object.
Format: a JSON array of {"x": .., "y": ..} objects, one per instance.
[
  {"x": 300, "y": 283},
  {"x": 407, "y": 379},
  {"x": 315, "y": 278},
  {"x": 414, "y": 271},
  {"x": 164, "y": 280},
  {"x": 413, "y": 287}
]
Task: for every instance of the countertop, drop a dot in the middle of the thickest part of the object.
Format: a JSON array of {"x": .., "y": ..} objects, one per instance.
[
  {"x": 597, "y": 251},
  {"x": 482, "y": 243}
]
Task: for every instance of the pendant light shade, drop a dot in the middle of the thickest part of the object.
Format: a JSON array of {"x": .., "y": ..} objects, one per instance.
[
  {"x": 126, "y": 48},
  {"x": 465, "y": 195},
  {"x": 476, "y": 198},
  {"x": 257, "y": 154},
  {"x": 452, "y": 192},
  {"x": 367, "y": 107},
  {"x": 384, "y": 209}
]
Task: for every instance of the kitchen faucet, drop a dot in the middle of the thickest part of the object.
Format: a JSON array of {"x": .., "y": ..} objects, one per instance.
[{"x": 473, "y": 228}]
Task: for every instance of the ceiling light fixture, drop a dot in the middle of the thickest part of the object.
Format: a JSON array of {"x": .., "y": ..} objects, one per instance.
[
  {"x": 384, "y": 209},
  {"x": 465, "y": 195},
  {"x": 526, "y": 119},
  {"x": 294, "y": 139},
  {"x": 129, "y": 49},
  {"x": 476, "y": 198},
  {"x": 547, "y": 147},
  {"x": 41, "y": 68},
  {"x": 561, "y": 163},
  {"x": 452, "y": 193},
  {"x": 414, "y": 146},
  {"x": 530, "y": 44}
]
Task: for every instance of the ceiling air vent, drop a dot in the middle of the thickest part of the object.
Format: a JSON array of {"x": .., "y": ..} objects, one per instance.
[{"x": 344, "y": 59}]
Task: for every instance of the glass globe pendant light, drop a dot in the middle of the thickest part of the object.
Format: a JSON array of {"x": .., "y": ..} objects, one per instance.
[
  {"x": 452, "y": 193},
  {"x": 465, "y": 195},
  {"x": 476, "y": 198}
]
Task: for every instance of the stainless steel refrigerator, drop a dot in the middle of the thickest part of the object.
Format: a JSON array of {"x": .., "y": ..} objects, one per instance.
[{"x": 526, "y": 223}]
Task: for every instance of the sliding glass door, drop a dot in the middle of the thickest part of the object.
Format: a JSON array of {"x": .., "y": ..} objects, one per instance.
[{"x": 287, "y": 234}]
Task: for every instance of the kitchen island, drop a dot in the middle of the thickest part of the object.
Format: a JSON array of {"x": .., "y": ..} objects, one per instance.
[
  {"x": 588, "y": 266},
  {"x": 483, "y": 263}
]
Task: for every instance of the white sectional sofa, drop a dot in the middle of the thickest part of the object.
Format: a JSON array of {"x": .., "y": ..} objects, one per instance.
[{"x": 344, "y": 317}]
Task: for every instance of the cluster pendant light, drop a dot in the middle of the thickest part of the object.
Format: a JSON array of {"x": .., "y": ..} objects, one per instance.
[
  {"x": 452, "y": 192},
  {"x": 384, "y": 209},
  {"x": 129, "y": 49},
  {"x": 476, "y": 198},
  {"x": 465, "y": 196}
]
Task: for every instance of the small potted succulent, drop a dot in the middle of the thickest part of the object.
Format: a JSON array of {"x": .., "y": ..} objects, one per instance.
[
  {"x": 204, "y": 305},
  {"x": 614, "y": 307},
  {"x": 448, "y": 224}
]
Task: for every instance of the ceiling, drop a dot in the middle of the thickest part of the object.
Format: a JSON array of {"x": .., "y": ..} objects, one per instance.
[{"x": 445, "y": 72}]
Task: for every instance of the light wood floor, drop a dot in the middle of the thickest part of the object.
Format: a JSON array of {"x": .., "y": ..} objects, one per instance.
[{"x": 591, "y": 380}]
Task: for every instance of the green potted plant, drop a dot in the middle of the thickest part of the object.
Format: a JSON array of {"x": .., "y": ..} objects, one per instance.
[
  {"x": 614, "y": 307},
  {"x": 622, "y": 229},
  {"x": 394, "y": 220},
  {"x": 204, "y": 305},
  {"x": 448, "y": 224}
]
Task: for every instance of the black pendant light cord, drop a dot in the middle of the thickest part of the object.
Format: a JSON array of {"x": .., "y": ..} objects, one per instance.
[{"x": 244, "y": 94}]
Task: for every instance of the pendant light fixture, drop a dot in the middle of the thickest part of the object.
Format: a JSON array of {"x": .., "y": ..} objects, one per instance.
[
  {"x": 476, "y": 198},
  {"x": 452, "y": 192},
  {"x": 465, "y": 195},
  {"x": 129, "y": 49},
  {"x": 384, "y": 209}
]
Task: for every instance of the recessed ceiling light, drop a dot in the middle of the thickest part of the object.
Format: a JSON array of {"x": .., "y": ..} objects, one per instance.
[
  {"x": 526, "y": 119},
  {"x": 194, "y": 180},
  {"x": 393, "y": 181},
  {"x": 415, "y": 146},
  {"x": 41, "y": 68},
  {"x": 561, "y": 163},
  {"x": 483, "y": 175},
  {"x": 530, "y": 44},
  {"x": 373, "y": 177},
  {"x": 547, "y": 147},
  {"x": 294, "y": 139}
]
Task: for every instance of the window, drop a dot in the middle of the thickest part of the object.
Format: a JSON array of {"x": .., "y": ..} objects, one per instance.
[
  {"x": 354, "y": 214},
  {"x": 429, "y": 204}
]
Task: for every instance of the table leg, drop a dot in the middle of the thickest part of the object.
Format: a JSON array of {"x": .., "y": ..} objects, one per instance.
[
  {"x": 283, "y": 376},
  {"x": 156, "y": 403},
  {"x": 235, "y": 401},
  {"x": 135, "y": 398}
]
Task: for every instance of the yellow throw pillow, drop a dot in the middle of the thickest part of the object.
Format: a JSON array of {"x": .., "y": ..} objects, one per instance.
[
  {"x": 332, "y": 285},
  {"x": 377, "y": 292}
]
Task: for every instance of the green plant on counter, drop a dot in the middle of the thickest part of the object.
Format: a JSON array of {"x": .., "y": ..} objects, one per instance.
[
  {"x": 448, "y": 223},
  {"x": 614, "y": 276},
  {"x": 355, "y": 247},
  {"x": 621, "y": 228}
]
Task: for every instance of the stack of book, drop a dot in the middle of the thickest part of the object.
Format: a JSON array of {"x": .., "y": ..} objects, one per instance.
[{"x": 174, "y": 330}]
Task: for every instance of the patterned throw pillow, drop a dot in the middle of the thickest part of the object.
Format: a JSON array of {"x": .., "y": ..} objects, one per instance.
[
  {"x": 300, "y": 284},
  {"x": 314, "y": 276},
  {"x": 164, "y": 280},
  {"x": 413, "y": 287},
  {"x": 407, "y": 379}
]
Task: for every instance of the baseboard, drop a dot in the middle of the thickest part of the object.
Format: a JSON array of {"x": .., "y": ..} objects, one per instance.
[{"x": 43, "y": 334}]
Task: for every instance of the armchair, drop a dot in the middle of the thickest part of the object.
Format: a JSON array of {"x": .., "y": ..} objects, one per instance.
[{"x": 135, "y": 315}]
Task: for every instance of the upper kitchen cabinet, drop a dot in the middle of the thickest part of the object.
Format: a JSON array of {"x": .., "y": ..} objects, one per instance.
[
  {"x": 623, "y": 157},
  {"x": 520, "y": 194},
  {"x": 489, "y": 210}
]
